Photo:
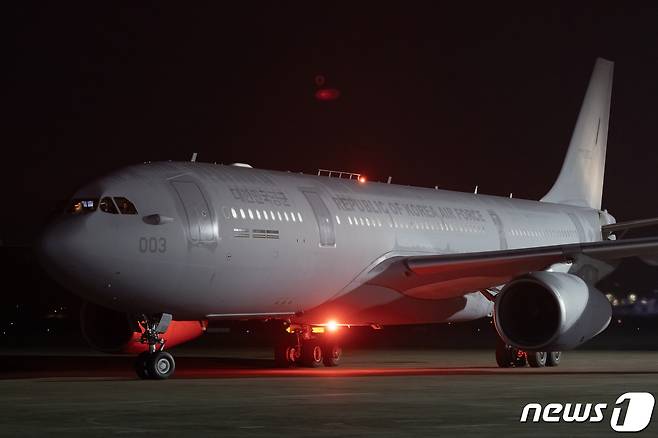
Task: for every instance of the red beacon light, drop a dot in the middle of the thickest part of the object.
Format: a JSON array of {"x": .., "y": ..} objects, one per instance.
[
  {"x": 362, "y": 179},
  {"x": 326, "y": 94}
]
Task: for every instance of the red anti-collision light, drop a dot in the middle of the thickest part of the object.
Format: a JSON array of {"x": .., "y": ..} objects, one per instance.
[{"x": 327, "y": 94}]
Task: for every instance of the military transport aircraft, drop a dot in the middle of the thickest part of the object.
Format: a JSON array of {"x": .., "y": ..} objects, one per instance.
[{"x": 157, "y": 250}]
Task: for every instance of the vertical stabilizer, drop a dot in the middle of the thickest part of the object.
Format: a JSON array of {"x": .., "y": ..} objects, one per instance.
[{"x": 581, "y": 179}]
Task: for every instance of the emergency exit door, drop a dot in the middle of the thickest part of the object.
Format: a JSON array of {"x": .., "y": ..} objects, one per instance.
[
  {"x": 322, "y": 217},
  {"x": 199, "y": 218}
]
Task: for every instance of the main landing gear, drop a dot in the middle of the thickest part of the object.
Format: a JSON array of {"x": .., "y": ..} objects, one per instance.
[
  {"x": 308, "y": 347},
  {"x": 508, "y": 356},
  {"x": 154, "y": 363}
]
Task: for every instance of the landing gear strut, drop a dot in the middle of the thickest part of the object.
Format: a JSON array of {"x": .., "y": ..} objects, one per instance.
[
  {"x": 509, "y": 356},
  {"x": 154, "y": 363},
  {"x": 299, "y": 345}
]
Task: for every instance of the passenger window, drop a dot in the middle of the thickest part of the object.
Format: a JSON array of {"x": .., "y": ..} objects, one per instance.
[
  {"x": 125, "y": 206},
  {"x": 82, "y": 206},
  {"x": 107, "y": 206}
]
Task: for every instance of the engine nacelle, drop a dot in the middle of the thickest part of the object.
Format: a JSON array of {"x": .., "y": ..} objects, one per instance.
[
  {"x": 550, "y": 311},
  {"x": 110, "y": 331}
]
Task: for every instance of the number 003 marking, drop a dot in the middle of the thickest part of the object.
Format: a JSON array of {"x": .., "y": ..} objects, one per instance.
[{"x": 152, "y": 244}]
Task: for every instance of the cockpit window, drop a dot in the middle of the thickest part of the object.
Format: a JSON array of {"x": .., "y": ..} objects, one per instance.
[
  {"x": 107, "y": 205},
  {"x": 82, "y": 206},
  {"x": 125, "y": 206}
]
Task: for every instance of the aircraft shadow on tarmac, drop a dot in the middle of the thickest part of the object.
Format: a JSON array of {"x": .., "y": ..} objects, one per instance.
[{"x": 22, "y": 366}]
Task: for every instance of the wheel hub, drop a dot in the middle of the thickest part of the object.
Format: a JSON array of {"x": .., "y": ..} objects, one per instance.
[{"x": 163, "y": 366}]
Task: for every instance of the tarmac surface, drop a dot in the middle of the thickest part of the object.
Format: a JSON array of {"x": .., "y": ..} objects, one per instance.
[{"x": 383, "y": 393}]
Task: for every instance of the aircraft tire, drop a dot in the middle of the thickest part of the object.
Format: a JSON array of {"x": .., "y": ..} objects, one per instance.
[
  {"x": 285, "y": 355},
  {"x": 141, "y": 365},
  {"x": 537, "y": 359},
  {"x": 331, "y": 355},
  {"x": 312, "y": 354},
  {"x": 160, "y": 365},
  {"x": 503, "y": 354},
  {"x": 553, "y": 358}
]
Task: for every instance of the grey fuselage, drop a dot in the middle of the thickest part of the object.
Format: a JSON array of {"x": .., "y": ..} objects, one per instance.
[{"x": 224, "y": 241}]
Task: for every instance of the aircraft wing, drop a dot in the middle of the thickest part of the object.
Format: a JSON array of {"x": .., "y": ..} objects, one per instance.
[
  {"x": 448, "y": 275},
  {"x": 624, "y": 227}
]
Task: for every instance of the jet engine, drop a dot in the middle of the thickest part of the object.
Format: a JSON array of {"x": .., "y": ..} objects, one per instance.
[
  {"x": 550, "y": 311},
  {"x": 110, "y": 331}
]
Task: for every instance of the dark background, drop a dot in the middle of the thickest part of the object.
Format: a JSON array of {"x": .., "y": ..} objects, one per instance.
[
  {"x": 431, "y": 94},
  {"x": 452, "y": 96}
]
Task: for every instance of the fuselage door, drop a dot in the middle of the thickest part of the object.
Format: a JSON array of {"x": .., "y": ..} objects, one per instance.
[
  {"x": 322, "y": 217},
  {"x": 199, "y": 217},
  {"x": 501, "y": 229}
]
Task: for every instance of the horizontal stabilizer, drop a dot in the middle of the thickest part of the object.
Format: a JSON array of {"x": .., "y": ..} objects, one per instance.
[{"x": 629, "y": 225}]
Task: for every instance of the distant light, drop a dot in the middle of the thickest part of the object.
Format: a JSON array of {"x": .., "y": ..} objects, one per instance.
[
  {"x": 362, "y": 179},
  {"x": 325, "y": 94},
  {"x": 632, "y": 298},
  {"x": 332, "y": 326}
]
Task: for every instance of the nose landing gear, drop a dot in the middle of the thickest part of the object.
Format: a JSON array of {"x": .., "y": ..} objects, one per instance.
[{"x": 154, "y": 363}]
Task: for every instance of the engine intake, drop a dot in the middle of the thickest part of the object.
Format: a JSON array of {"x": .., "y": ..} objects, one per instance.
[{"x": 550, "y": 311}]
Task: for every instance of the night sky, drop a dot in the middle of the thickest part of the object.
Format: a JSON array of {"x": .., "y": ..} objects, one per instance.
[{"x": 429, "y": 94}]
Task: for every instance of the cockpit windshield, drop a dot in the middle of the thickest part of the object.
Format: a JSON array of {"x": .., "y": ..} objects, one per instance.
[
  {"x": 83, "y": 205},
  {"x": 125, "y": 206},
  {"x": 106, "y": 205}
]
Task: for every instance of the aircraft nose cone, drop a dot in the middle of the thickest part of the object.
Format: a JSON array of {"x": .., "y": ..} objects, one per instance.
[{"x": 59, "y": 249}]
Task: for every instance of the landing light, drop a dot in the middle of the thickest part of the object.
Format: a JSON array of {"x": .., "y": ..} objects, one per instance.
[{"x": 332, "y": 326}]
